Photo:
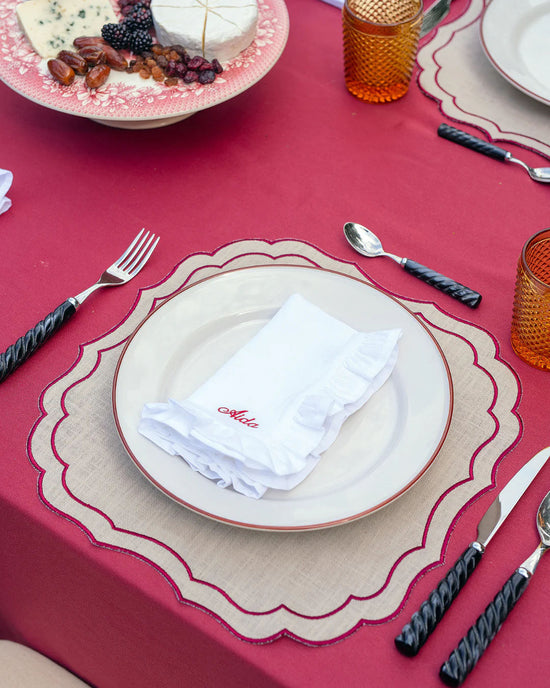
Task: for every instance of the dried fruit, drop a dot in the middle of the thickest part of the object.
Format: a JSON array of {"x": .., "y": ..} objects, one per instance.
[
  {"x": 114, "y": 59},
  {"x": 97, "y": 76},
  {"x": 190, "y": 76},
  {"x": 75, "y": 61},
  {"x": 93, "y": 54},
  {"x": 207, "y": 76},
  {"x": 83, "y": 41},
  {"x": 196, "y": 62},
  {"x": 61, "y": 71}
]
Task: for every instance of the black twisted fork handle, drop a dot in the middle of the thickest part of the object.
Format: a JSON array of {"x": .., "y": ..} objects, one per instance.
[
  {"x": 18, "y": 353},
  {"x": 462, "y": 660},
  {"x": 423, "y": 622}
]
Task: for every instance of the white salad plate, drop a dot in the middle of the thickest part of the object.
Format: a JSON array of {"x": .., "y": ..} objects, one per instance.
[
  {"x": 126, "y": 100},
  {"x": 381, "y": 450},
  {"x": 515, "y": 35}
]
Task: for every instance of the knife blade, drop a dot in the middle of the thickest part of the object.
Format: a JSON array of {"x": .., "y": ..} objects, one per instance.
[{"x": 423, "y": 622}]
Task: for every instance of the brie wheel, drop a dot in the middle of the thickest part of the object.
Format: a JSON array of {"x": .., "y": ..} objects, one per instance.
[{"x": 212, "y": 28}]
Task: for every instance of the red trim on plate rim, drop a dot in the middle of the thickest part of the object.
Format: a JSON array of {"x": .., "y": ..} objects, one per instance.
[
  {"x": 499, "y": 68},
  {"x": 316, "y": 526}
]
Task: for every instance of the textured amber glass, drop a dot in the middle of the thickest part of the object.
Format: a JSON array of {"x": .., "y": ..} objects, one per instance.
[
  {"x": 531, "y": 313},
  {"x": 380, "y": 42}
]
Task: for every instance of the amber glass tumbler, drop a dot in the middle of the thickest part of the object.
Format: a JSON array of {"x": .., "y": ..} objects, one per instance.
[
  {"x": 531, "y": 313},
  {"x": 380, "y": 42}
]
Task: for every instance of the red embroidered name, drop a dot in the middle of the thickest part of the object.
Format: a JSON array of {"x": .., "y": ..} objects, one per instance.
[{"x": 240, "y": 416}]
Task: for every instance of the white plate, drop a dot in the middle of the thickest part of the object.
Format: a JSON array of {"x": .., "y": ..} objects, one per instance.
[
  {"x": 381, "y": 450},
  {"x": 126, "y": 100},
  {"x": 515, "y": 35}
]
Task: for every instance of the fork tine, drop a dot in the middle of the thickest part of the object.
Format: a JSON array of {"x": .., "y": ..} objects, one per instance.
[
  {"x": 129, "y": 249},
  {"x": 146, "y": 257},
  {"x": 135, "y": 258},
  {"x": 134, "y": 255}
]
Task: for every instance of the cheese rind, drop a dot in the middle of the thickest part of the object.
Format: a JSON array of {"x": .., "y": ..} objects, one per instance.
[
  {"x": 212, "y": 28},
  {"x": 52, "y": 25}
]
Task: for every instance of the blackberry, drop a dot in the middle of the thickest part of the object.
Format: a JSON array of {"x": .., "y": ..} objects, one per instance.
[
  {"x": 116, "y": 35},
  {"x": 140, "y": 41},
  {"x": 139, "y": 17}
]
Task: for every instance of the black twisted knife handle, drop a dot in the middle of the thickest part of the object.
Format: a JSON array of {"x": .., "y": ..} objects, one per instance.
[
  {"x": 469, "y": 141},
  {"x": 457, "y": 291},
  {"x": 18, "y": 353},
  {"x": 462, "y": 660},
  {"x": 424, "y": 621}
]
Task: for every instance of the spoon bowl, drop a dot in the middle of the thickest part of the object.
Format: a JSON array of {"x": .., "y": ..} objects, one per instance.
[
  {"x": 543, "y": 521},
  {"x": 538, "y": 174},
  {"x": 366, "y": 242}
]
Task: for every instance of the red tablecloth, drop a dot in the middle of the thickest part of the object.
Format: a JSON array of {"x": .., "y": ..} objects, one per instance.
[{"x": 294, "y": 157}]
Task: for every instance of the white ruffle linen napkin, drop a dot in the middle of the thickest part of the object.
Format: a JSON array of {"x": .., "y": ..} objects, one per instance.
[
  {"x": 264, "y": 418},
  {"x": 6, "y": 179}
]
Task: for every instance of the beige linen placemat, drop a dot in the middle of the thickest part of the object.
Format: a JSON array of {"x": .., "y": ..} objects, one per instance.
[
  {"x": 456, "y": 72},
  {"x": 316, "y": 586}
]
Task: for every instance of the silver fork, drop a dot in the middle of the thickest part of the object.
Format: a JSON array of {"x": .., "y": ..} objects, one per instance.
[
  {"x": 437, "y": 12},
  {"x": 120, "y": 272}
]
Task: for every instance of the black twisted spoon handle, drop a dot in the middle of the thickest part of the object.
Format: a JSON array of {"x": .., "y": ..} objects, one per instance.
[
  {"x": 469, "y": 141},
  {"x": 17, "y": 353},
  {"x": 458, "y": 291},
  {"x": 424, "y": 621},
  {"x": 462, "y": 660}
]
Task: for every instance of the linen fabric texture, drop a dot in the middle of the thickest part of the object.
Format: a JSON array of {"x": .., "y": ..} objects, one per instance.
[{"x": 265, "y": 417}]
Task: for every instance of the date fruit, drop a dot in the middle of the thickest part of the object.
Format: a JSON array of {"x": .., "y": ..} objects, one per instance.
[
  {"x": 114, "y": 59},
  {"x": 77, "y": 63},
  {"x": 97, "y": 76},
  {"x": 93, "y": 54},
  {"x": 61, "y": 71},
  {"x": 83, "y": 41}
]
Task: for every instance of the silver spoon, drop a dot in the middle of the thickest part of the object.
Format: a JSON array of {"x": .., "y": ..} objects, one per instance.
[
  {"x": 475, "y": 642},
  {"x": 368, "y": 244},
  {"x": 539, "y": 174}
]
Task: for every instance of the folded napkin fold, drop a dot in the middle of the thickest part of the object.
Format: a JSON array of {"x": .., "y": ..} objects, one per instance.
[
  {"x": 6, "y": 179},
  {"x": 263, "y": 419}
]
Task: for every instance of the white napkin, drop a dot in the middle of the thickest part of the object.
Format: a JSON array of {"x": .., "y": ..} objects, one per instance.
[
  {"x": 336, "y": 3},
  {"x": 263, "y": 419},
  {"x": 6, "y": 178}
]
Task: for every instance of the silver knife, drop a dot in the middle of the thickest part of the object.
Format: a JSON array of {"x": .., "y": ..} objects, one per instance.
[{"x": 423, "y": 622}]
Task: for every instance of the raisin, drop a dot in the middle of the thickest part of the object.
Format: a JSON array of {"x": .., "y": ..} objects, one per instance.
[
  {"x": 190, "y": 76},
  {"x": 206, "y": 76},
  {"x": 196, "y": 62}
]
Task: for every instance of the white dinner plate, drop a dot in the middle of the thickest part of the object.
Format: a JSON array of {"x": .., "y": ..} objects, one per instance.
[
  {"x": 515, "y": 35},
  {"x": 126, "y": 100},
  {"x": 381, "y": 450}
]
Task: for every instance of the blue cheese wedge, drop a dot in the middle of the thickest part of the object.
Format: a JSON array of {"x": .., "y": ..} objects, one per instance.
[
  {"x": 52, "y": 25},
  {"x": 212, "y": 28}
]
